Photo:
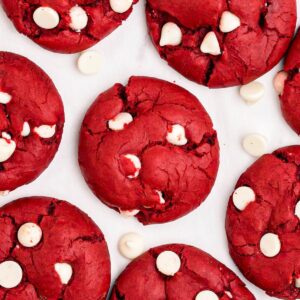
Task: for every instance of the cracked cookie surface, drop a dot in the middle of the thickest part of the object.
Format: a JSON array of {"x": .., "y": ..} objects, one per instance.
[
  {"x": 217, "y": 49},
  {"x": 31, "y": 121},
  {"x": 74, "y": 25},
  {"x": 69, "y": 237},
  {"x": 149, "y": 150},
  {"x": 262, "y": 223},
  {"x": 287, "y": 84},
  {"x": 199, "y": 275}
]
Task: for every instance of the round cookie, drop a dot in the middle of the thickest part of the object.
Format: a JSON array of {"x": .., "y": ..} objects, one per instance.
[
  {"x": 67, "y": 26},
  {"x": 287, "y": 85},
  {"x": 193, "y": 275},
  {"x": 31, "y": 121},
  {"x": 262, "y": 223},
  {"x": 149, "y": 150},
  {"x": 69, "y": 260},
  {"x": 221, "y": 43}
]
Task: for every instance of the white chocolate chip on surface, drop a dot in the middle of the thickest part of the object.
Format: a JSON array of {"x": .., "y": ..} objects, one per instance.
[
  {"x": 210, "y": 44},
  {"x": 120, "y": 6},
  {"x": 45, "y": 131},
  {"x": 64, "y": 272},
  {"x": 176, "y": 135},
  {"x": 171, "y": 35},
  {"x": 242, "y": 196},
  {"x": 206, "y": 295},
  {"x": 89, "y": 62},
  {"x": 7, "y": 148},
  {"x": 119, "y": 121},
  {"x": 255, "y": 144},
  {"x": 279, "y": 80},
  {"x": 30, "y": 234},
  {"x": 229, "y": 22},
  {"x": 137, "y": 164},
  {"x": 129, "y": 213},
  {"x": 5, "y": 98},
  {"x": 79, "y": 18},
  {"x": 46, "y": 17},
  {"x": 131, "y": 245},
  {"x": 11, "y": 274},
  {"x": 252, "y": 92},
  {"x": 297, "y": 209},
  {"x": 26, "y": 129},
  {"x": 168, "y": 263},
  {"x": 270, "y": 245}
]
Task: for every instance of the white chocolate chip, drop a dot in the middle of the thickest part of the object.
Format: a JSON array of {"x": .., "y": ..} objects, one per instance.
[
  {"x": 26, "y": 129},
  {"x": 297, "y": 209},
  {"x": 10, "y": 274},
  {"x": 129, "y": 213},
  {"x": 46, "y": 17},
  {"x": 137, "y": 164},
  {"x": 5, "y": 98},
  {"x": 29, "y": 235},
  {"x": 64, "y": 272},
  {"x": 45, "y": 131},
  {"x": 5, "y": 135},
  {"x": 297, "y": 283},
  {"x": 210, "y": 44},
  {"x": 242, "y": 196},
  {"x": 228, "y": 294},
  {"x": 206, "y": 295},
  {"x": 177, "y": 135},
  {"x": 252, "y": 92},
  {"x": 7, "y": 148},
  {"x": 229, "y": 22},
  {"x": 119, "y": 121},
  {"x": 255, "y": 144},
  {"x": 131, "y": 245},
  {"x": 171, "y": 35},
  {"x": 270, "y": 245},
  {"x": 120, "y": 6},
  {"x": 4, "y": 193},
  {"x": 161, "y": 198},
  {"x": 279, "y": 80},
  {"x": 79, "y": 18},
  {"x": 89, "y": 62},
  {"x": 168, "y": 263}
]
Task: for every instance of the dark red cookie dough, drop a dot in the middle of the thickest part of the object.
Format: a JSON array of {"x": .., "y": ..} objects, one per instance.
[
  {"x": 198, "y": 272},
  {"x": 35, "y": 100},
  {"x": 102, "y": 20},
  {"x": 184, "y": 175},
  {"x": 69, "y": 236},
  {"x": 246, "y": 52},
  {"x": 274, "y": 178},
  {"x": 289, "y": 89}
]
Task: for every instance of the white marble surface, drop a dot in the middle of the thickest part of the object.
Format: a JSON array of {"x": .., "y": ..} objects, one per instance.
[{"x": 128, "y": 51}]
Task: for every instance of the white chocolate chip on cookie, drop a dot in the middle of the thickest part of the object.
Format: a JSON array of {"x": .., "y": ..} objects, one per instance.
[
  {"x": 5, "y": 98},
  {"x": 270, "y": 245},
  {"x": 45, "y": 131},
  {"x": 168, "y": 263},
  {"x": 279, "y": 80},
  {"x": 206, "y": 295},
  {"x": 210, "y": 44},
  {"x": 29, "y": 235},
  {"x": 64, "y": 272},
  {"x": 46, "y": 17},
  {"x": 242, "y": 196},
  {"x": 119, "y": 121},
  {"x": 7, "y": 148},
  {"x": 176, "y": 135},
  {"x": 11, "y": 274},
  {"x": 26, "y": 129},
  {"x": 171, "y": 35},
  {"x": 79, "y": 18},
  {"x": 229, "y": 22},
  {"x": 120, "y": 6}
]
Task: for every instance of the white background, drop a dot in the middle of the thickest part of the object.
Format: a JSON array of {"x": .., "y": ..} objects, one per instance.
[{"x": 129, "y": 51}]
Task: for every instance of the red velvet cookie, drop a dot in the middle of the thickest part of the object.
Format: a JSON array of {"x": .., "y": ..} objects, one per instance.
[
  {"x": 221, "y": 43},
  {"x": 287, "y": 85},
  {"x": 67, "y": 26},
  {"x": 178, "y": 272},
  {"x": 31, "y": 121},
  {"x": 263, "y": 223},
  {"x": 149, "y": 150},
  {"x": 51, "y": 250}
]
